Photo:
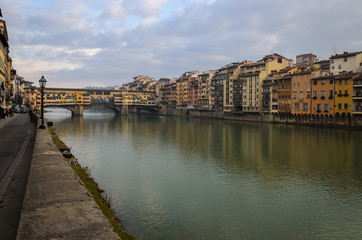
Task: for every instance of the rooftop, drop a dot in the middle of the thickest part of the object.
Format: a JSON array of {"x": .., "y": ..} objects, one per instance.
[{"x": 345, "y": 54}]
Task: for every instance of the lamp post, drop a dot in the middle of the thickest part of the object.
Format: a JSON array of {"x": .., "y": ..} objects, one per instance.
[
  {"x": 42, "y": 83},
  {"x": 17, "y": 81}
]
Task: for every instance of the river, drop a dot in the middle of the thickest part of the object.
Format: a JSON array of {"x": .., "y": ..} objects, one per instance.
[{"x": 179, "y": 178}]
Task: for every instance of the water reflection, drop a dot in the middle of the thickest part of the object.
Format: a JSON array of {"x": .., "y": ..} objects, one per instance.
[{"x": 179, "y": 178}]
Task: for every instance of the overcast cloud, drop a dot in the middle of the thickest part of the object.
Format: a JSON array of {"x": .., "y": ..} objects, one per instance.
[{"x": 107, "y": 42}]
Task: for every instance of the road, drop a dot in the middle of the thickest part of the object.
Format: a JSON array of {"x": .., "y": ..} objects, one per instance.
[{"x": 17, "y": 136}]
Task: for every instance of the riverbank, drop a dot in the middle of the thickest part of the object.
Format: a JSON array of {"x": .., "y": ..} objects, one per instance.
[
  {"x": 337, "y": 121},
  {"x": 56, "y": 204},
  {"x": 103, "y": 201}
]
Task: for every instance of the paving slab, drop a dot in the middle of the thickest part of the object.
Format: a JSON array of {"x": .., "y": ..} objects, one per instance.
[{"x": 56, "y": 203}]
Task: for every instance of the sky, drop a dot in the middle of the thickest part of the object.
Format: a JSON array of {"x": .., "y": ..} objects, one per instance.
[{"x": 108, "y": 42}]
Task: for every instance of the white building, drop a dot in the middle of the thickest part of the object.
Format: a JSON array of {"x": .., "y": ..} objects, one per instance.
[{"x": 346, "y": 62}]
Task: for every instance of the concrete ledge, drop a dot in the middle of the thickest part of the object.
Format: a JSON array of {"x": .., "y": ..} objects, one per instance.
[{"x": 56, "y": 204}]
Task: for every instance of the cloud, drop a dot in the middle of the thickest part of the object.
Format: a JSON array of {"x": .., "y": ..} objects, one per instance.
[{"x": 111, "y": 41}]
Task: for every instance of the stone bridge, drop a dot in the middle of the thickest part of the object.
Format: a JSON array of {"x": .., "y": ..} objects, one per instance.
[{"x": 79, "y": 109}]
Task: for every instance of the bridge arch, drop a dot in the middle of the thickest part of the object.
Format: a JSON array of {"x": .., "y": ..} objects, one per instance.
[
  {"x": 98, "y": 100},
  {"x": 106, "y": 100},
  {"x": 92, "y": 101}
]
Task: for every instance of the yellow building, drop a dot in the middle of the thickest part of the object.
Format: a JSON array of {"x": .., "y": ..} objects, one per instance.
[
  {"x": 31, "y": 97},
  {"x": 135, "y": 98},
  {"x": 183, "y": 87},
  {"x": 343, "y": 89},
  {"x": 6, "y": 87},
  {"x": 252, "y": 76}
]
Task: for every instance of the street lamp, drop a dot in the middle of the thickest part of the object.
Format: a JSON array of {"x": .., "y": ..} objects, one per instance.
[{"x": 42, "y": 83}]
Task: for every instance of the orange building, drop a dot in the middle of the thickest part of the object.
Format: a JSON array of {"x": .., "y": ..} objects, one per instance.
[
  {"x": 301, "y": 92},
  {"x": 284, "y": 94},
  {"x": 323, "y": 95}
]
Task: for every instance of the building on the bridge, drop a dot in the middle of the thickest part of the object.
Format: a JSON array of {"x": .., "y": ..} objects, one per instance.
[
  {"x": 135, "y": 98},
  {"x": 6, "y": 87}
]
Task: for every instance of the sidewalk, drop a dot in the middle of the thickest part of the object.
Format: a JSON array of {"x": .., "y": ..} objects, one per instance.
[{"x": 56, "y": 204}]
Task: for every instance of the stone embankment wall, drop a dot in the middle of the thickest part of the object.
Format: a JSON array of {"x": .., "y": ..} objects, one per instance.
[{"x": 310, "y": 120}]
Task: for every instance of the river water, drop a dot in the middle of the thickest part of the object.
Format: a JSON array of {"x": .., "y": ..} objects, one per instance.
[{"x": 179, "y": 178}]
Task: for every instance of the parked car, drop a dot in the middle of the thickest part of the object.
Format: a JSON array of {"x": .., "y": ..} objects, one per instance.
[
  {"x": 23, "y": 109},
  {"x": 17, "y": 109}
]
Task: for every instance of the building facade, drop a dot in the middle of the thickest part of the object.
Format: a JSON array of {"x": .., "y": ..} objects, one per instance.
[{"x": 346, "y": 62}]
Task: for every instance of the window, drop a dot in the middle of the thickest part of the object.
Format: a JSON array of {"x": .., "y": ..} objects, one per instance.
[
  {"x": 326, "y": 107},
  {"x": 305, "y": 106},
  {"x": 319, "y": 107},
  {"x": 323, "y": 93},
  {"x": 330, "y": 93},
  {"x": 296, "y": 106},
  {"x": 308, "y": 93},
  {"x": 294, "y": 94},
  {"x": 323, "y": 82},
  {"x": 315, "y": 82},
  {"x": 298, "y": 82},
  {"x": 346, "y": 81},
  {"x": 330, "y": 81},
  {"x": 305, "y": 83},
  {"x": 332, "y": 67},
  {"x": 339, "y": 66},
  {"x": 345, "y": 59},
  {"x": 339, "y": 105},
  {"x": 346, "y": 106},
  {"x": 314, "y": 94},
  {"x": 301, "y": 93}
]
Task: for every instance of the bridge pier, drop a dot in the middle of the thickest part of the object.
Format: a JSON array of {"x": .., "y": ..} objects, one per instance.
[
  {"x": 78, "y": 110},
  {"x": 124, "y": 110}
]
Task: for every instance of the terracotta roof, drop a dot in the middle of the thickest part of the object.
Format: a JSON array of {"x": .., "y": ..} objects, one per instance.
[
  {"x": 345, "y": 54},
  {"x": 300, "y": 73},
  {"x": 323, "y": 61},
  {"x": 323, "y": 77}
]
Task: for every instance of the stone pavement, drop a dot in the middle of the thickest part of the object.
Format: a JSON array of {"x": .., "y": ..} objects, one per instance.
[
  {"x": 17, "y": 137},
  {"x": 56, "y": 203}
]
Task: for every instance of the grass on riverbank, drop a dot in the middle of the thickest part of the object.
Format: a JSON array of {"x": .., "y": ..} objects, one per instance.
[{"x": 92, "y": 186}]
